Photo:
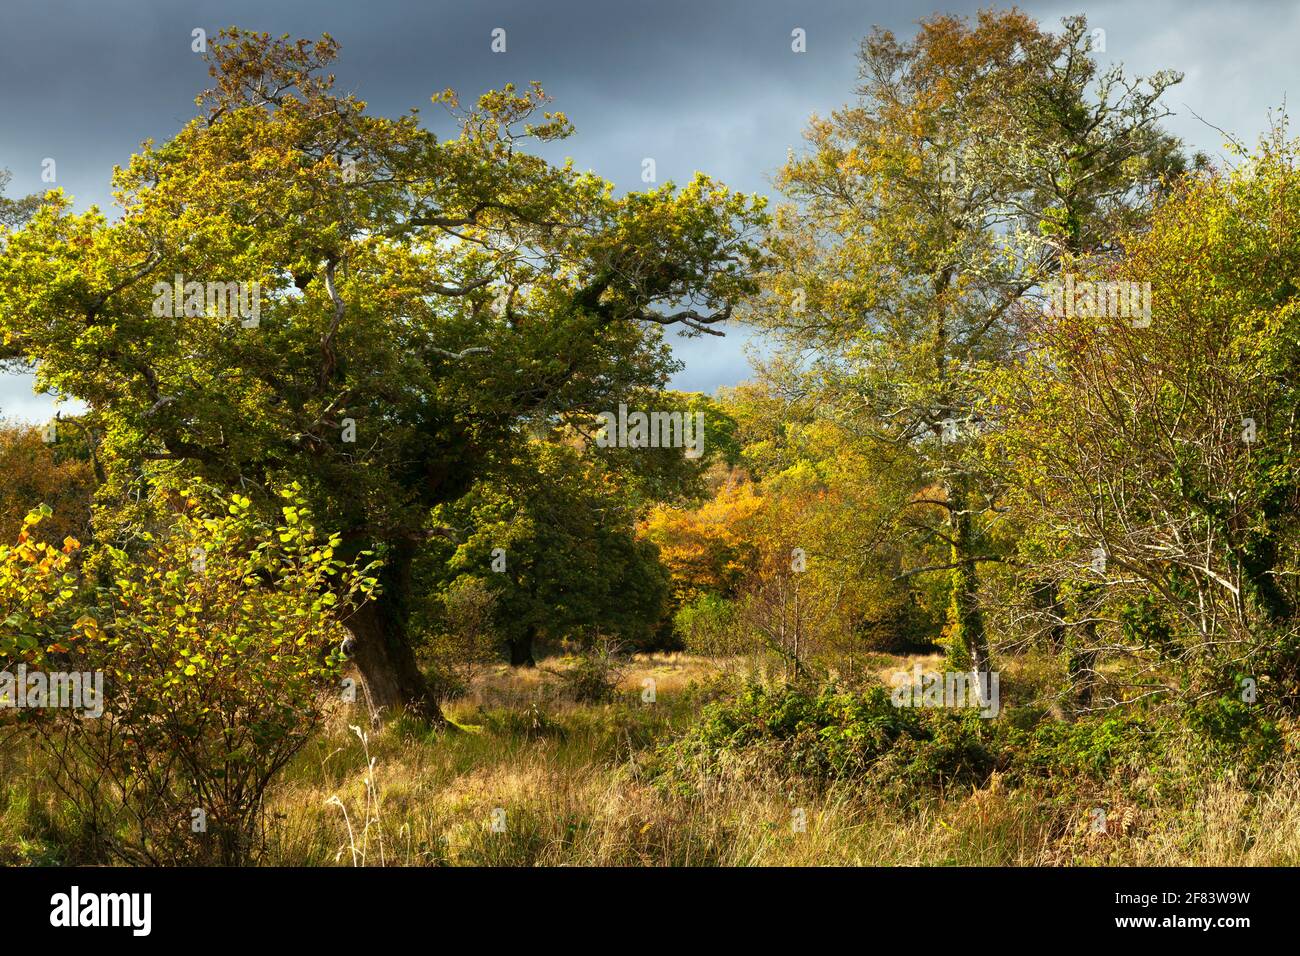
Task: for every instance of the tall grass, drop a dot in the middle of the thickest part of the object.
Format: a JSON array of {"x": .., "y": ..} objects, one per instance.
[{"x": 570, "y": 781}]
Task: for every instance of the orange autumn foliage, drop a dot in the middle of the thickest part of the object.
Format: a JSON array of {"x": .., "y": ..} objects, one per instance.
[
  {"x": 709, "y": 548},
  {"x": 36, "y": 473}
]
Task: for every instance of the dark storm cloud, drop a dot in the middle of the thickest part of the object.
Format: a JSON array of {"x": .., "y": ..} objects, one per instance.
[{"x": 709, "y": 86}]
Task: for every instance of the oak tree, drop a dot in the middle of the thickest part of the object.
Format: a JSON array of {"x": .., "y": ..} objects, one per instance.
[{"x": 405, "y": 303}]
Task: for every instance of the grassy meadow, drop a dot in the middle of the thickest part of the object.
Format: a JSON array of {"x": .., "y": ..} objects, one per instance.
[{"x": 579, "y": 786}]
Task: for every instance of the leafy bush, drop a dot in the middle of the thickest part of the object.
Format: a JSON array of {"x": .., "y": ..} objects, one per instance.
[
  {"x": 214, "y": 644},
  {"x": 38, "y": 590},
  {"x": 706, "y": 625},
  {"x": 1094, "y": 749},
  {"x": 466, "y": 639},
  {"x": 795, "y": 738},
  {"x": 1236, "y": 733},
  {"x": 794, "y": 735},
  {"x": 595, "y": 677}
]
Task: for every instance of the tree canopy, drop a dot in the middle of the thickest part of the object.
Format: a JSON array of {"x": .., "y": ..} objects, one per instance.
[{"x": 418, "y": 301}]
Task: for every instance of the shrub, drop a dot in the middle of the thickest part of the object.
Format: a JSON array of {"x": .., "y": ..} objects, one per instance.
[
  {"x": 1068, "y": 764},
  {"x": 792, "y": 735},
  {"x": 466, "y": 639},
  {"x": 706, "y": 626},
  {"x": 214, "y": 645},
  {"x": 595, "y": 677},
  {"x": 1237, "y": 734},
  {"x": 38, "y": 590}
]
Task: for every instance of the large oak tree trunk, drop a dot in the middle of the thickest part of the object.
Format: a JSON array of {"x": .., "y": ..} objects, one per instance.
[
  {"x": 387, "y": 664},
  {"x": 382, "y": 649},
  {"x": 521, "y": 649}
]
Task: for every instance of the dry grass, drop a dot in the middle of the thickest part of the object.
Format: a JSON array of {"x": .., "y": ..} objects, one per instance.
[
  {"x": 572, "y": 794},
  {"x": 568, "y": 779},
  {"x": 562, "y": 811}
]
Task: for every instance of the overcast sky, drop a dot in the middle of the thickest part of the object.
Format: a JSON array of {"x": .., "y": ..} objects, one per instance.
[{"x": 706, "y": 85}]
